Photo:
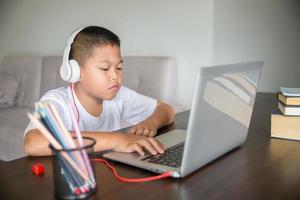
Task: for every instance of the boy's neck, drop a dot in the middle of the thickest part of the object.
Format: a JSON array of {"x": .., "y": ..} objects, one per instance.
[{"x": 92, "y": 105}]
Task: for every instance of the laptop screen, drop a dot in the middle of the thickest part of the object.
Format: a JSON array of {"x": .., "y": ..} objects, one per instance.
[{"x": 221, "y": 110}]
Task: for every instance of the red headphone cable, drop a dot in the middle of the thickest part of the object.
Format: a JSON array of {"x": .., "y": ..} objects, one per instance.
[{"x": 131, "y": 180}]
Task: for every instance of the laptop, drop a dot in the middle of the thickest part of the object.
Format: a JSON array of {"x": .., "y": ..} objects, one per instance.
[{"x": 219, "y": 119}]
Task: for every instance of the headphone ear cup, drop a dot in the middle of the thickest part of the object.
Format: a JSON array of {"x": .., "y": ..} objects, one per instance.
[
  {"x": 75, "y": 71},
  {"x": 65, "y": 72}
]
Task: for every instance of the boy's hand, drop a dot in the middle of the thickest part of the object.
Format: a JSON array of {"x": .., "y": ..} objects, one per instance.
[
  {"x": 145, "y": 128},
  {"x": 135, "y": 143}
]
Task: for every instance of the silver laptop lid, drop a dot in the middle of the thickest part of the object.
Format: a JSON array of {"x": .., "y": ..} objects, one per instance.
[{"x": 221, "y": 111}]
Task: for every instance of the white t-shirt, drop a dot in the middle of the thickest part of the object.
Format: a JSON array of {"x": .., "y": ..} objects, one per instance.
[{"x": 126, "y": 109}]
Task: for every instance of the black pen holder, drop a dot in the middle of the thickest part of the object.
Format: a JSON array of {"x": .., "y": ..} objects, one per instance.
[{"x": 71, "y": 177}]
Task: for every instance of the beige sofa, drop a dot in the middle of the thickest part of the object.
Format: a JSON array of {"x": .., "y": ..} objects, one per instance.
[{"x": 152, "y": 76}]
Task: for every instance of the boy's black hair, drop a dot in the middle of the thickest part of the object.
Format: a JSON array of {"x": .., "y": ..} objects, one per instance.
[{"x": 89, "y": 38}]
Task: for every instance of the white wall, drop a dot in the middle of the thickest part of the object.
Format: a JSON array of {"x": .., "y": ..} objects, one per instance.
[
  {"x": 260, "y": 29},
  {"x": 175, "y": 28}
]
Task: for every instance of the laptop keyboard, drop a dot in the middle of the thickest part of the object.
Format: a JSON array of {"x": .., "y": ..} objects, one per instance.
[{"x": 172, "y": 157}]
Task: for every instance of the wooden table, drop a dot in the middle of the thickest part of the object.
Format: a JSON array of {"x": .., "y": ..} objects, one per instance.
[{"x": 262, "y": 168}]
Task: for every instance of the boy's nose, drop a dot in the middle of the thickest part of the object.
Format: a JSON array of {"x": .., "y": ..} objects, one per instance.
[{"x": 114, "y": 74}]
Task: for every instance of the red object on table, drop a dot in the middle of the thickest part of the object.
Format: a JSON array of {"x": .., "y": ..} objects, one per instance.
[{"x": 38, "y": 169}]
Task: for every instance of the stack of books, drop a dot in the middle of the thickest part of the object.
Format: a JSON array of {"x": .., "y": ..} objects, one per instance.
[{"x": 285, "y": 121}]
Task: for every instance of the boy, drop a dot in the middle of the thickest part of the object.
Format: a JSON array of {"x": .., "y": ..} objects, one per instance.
[{"x": 101, "y": 102}]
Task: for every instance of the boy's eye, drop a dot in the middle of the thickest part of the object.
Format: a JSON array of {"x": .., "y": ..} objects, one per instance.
[
  {"x": 104, "y": 67},
  {"x": 119, "y": 67}
]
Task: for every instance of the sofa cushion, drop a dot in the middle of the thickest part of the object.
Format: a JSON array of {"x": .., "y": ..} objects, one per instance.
[
  {"x": 50, "y": 73},
  {"x": 153, "y": 76},
  {"x": 13, "y": 122},
  {"x": 8, "y": 91},
  {"x": 27, "y": 71}
]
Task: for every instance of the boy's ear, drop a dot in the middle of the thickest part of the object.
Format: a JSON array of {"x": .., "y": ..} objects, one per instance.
[
  {"x": 81, "y": 74},
  {"x": 80, "y": 77}
]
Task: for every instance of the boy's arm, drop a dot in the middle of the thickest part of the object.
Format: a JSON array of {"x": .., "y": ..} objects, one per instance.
[
  {"x": 162, "y": 116},
  {"x": 35, "y": 144}
]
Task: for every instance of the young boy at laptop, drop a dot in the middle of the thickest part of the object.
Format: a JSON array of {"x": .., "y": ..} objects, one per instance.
[{"x": 93, "y": 64}]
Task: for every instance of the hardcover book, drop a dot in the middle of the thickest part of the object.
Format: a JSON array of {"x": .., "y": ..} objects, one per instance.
[{"x": 286, "y": 127}]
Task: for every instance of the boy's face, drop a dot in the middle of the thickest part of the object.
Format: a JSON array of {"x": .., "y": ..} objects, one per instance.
[{"x": 101, "y": 75}]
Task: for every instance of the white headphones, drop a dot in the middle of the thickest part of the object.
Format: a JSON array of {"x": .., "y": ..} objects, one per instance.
[{"x": 70, "y": 69}]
